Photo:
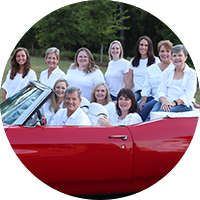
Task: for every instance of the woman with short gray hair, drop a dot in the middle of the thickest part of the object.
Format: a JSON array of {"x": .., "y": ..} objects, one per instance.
[{"x": 178, "y": 85}]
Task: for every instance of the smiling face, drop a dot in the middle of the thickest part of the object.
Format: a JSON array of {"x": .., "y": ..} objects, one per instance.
[
  {"x": 100, "y": 93},
  {"x": 82, "y": 60},
  {"x": 21, "y": 58},
  {"x": 60, "y": 89},
  {"x": 115, "y": 51},
  {"x": 179, "y": 59},
  {"x": 124, "y": 103},
  {"x": 165, "y": 54},
  {"x": 52, "y": 61},
  {"x": 143, "y": 48},
  {"x": 72, "y": 102}
]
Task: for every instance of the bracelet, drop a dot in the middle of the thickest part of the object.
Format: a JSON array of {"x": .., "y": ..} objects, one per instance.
[
  {"x": 176, "y": 102},
  {"x": 144, "y": 101},
  {"x": 194, "y": 103}
]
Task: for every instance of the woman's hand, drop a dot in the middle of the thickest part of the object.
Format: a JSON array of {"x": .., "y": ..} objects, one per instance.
[
  {"x": 142, "y": 105},
  {"x": 166, "y": 105},
  {"x": 104, "y": 121}
]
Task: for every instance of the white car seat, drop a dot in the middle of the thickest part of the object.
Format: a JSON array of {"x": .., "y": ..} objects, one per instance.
[
  {"x": 96, "y": 111},
  {"x": 84, "y": 105}
]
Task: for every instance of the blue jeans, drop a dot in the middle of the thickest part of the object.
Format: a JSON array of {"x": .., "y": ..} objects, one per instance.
[
  {"x": 113, "y": 97},
  {"x": 179, "y": 108},
  {"x": 147, "y": 108},
  {"x": 137, "y": 95}
]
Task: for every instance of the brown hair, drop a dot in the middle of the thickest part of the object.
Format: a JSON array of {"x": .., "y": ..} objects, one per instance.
[
  {"x": 126, "y": 92},
  {"x": 150, "y": 53},
  {"x": 15, "y": 66},
  {"x": 91, "y": 67}
]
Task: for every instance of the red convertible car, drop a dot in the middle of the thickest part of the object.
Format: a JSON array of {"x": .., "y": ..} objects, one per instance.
[{"x": 86, "y": 160}]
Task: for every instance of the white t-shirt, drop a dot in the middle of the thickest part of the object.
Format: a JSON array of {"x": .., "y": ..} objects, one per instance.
[
  {"x": 78, "y": 118},
  {"x": 130, "y": 119},
  {"x": 114, "y": 75},
  {"x": 49, "y": 114},
  {"x": 56, "y": 74},
  {"x": 14, "y": 86},
  {"x": 111, "y": 108},
  {"x": 85, "y": 82},
  {"x": 139, "y": 72}
]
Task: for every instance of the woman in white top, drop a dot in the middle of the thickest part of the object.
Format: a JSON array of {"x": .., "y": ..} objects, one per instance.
[
  {"x": 126, "y": 109},
  {"x": 100, "y": 94},
  {"x": 84, "y": 73},
  {"x": 178, "y": 84},
  {"x": 53, "y": 73},
  {"x": 143, "y": 58},
  {"x": 56, "y": 101},
  {"x": 153, "y": 79},
  {"x": 19, "y": 75},
  {"x": 117, "y": 71}
]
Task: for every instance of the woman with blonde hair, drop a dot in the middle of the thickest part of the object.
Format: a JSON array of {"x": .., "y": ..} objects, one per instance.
[
  {"x": 56, "y": 101},
  {"x": 20, "y": 73},
  {"x": 100, "y": 94},
  {"x": 53, "y": 73},
  {"x": 117, "y": 71},
  {"x": 84, "y": 73}
]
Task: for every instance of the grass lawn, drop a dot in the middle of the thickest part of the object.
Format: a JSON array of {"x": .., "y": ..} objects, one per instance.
[{"x": 39, "y": 65}]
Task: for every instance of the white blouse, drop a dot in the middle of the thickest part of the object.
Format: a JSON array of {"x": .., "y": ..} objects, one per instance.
[{"x": 130, "y": 119}]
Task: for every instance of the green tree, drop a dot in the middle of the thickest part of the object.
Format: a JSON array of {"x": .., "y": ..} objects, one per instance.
[
  {"x": 100, "y": 20},
  {"x": 60, "y": 28}
]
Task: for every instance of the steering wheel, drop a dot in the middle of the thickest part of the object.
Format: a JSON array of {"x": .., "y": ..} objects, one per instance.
[{"x": 33, "y": 120}]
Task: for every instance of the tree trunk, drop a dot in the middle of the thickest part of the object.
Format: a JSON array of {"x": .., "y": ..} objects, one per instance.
[
  {"x": 101, "y": 59},
  {"x": 32, "y": 48}
]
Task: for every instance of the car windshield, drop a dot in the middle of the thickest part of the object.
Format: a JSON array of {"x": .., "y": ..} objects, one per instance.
[{"x": 14, "y": 107}]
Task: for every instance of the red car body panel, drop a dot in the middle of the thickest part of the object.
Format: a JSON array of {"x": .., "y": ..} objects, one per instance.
[
  {"x": 65, "y": 159},
  {"x": 85, "y": 160}
]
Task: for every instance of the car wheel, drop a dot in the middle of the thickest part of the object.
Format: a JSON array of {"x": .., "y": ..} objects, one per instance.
[{"x": 186, "y": 185}]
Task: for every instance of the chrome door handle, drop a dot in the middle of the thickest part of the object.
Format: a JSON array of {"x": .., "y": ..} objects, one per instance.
[{"x": 123, "y": 137}]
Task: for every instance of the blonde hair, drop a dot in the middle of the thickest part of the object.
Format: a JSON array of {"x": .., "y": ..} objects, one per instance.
[
  {"x": 54, "y": 97},
  {"x": 53, "y": 50},
  {"x": 166, "y": 43},
  {"x": 91, "y": 67},
  {"x": 108, "y": 97},
  {"x": 121, "y": 49}
]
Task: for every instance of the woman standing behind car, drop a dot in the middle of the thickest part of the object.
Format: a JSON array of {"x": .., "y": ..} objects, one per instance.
[
  {"x": 20, "y": 74},
  {"x": 84, "y": 73},
  {"x": 143, "y": 58},
  {"x": 153, "y": 78},
  {"x": 53, "y": 73},
  {"x": 117, "y": 71},
  {"x": 56, "y": 101}
]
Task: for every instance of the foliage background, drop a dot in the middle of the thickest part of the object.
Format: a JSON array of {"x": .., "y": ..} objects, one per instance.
[{"x": 94, "y": 24}]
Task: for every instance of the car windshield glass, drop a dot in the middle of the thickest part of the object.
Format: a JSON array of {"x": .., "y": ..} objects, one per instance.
[{"x": 14, "y": 107}]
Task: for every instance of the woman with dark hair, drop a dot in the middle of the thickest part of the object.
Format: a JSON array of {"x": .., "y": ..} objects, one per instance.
[
  {"x": 143, "y": 58},
  {"x": 84, "y": 73},
  {"x": 126, "y": 109},
  {"x": 56, "y": 102},
  {"x": 20, "y": 73}
]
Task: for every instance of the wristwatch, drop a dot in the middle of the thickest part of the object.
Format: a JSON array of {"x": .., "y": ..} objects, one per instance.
[{"x": 176, "y": 102}]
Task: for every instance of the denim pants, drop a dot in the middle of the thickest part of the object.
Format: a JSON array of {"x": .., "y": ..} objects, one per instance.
[{"x": 137, "y": 95}]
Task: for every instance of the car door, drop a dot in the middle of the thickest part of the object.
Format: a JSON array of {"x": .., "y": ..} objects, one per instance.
[{"x": 76, "y": 160}]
